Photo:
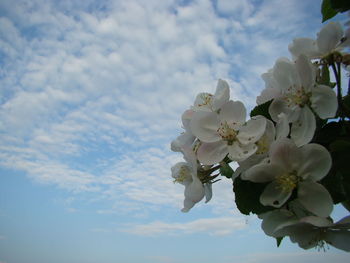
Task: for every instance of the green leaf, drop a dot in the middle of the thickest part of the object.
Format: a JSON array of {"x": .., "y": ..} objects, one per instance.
[
  {"x": 247, "y": 197},
  {"x": 262, "y": 109},
  {"x": 340, "y": 5},
  {"x": 226, "y": 170},
  {"x": 279, "y": 240},
  {"x": 327, "y": 10}
]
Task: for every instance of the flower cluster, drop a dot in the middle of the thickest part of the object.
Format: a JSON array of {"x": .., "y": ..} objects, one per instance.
[{"x": 291, "y": 154}]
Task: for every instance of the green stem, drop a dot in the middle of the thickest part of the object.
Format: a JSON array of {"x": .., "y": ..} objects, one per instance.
[{"x": 337, "y": 75}]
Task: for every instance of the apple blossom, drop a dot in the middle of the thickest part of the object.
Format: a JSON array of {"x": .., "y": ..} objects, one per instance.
[
  {"x": 291, "y": 168},
  {"x": 226, "y": 133}
]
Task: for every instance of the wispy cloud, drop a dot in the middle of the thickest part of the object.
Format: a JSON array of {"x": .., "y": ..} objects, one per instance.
[
  {"x": 92, "y": 93},
  {"x": 212, "y": 226}
]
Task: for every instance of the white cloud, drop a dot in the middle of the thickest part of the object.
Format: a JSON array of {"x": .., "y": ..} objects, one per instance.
[
  {"x": 214, "y": 226},
  {"x": 92, "y": 95}
]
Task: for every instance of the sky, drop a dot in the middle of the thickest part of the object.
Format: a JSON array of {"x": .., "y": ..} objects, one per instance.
[{"x": 91, "y": 95}]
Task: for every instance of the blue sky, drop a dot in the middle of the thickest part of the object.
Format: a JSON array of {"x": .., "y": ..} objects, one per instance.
[{"x": 91, "y": 94}]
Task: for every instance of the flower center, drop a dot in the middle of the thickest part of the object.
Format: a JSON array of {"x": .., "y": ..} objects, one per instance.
[
  {"x": 287, "y": 182},
  {"x": 183, "y": 175},
  {"x": 263, "y": 145},
  {"x": 298, "y": 97},
  {"x": 227, "y": 133},
  {"x": 206, "y": 99}
]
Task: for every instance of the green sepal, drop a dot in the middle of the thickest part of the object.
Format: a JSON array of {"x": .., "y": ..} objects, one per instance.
[
  {"x": 279, "y": 241},
  {"x": 226, "y": 170}
]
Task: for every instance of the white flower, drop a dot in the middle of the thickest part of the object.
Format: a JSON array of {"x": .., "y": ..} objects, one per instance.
[
  {"x": 314, "y": 231},
  {"x": 331, "y": 38},
  {"x": 226, "y": 133},
  {"x": 208, "y": 102},
  {"x": 263, "y": 146},
  {"x": 186, "y": 174},
  {"x": 299, "y": 96},
  {"x": 291, "y": 168},
  {"x": 186, "y": 138}
]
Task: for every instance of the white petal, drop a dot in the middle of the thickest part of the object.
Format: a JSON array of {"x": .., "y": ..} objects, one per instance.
[
  {"x": 329, "y": 37},
  {"x": 262, "y": 173},
  {"x": 222, "y": 94},
  {"x": 285, "y": 154},
  {"x": 305, "y": 46},
  {"x": 267, "y": 94},
  {"x": 272, "y": 220},
  {"x": 306, "y": 71},
  {"x": 282, "y": 126},
  {"x": 324, "y": 101},
  {"x": 233, "y": 112},
  {"x": 211, "y": 153},
  {"x": 204, "y": 126},
  {"x": 339, "y": 239},
  {"x": 186, "y": 118},
  {"x": 194, "y": 193},
  {"x": 238, "y": 152},
  {"x": 303, "y": 129},
  {"x": 274, "y": 195},
  {"x": 203, "y": 102},
  {"x": 186, "y": 138},
  {"x": 317, "y": 162},
  {"x": 279, "y": 106},
  {"x": 315, "y": 198},
  {"x": 317, "y": 221},
  {"x": 252, "y": 130},
  {"x": 286, "y": 75}
]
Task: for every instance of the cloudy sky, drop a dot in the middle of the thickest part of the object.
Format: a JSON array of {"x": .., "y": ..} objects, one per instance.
[{"x": 91, "y": 95}]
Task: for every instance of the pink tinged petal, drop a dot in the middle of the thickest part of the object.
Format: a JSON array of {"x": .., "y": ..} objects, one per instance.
[
  {"x": 315, "y": 198},
  {"x": 306, "y": 71},
  {"x": 239, "y": 152},
  {"x": 233, "y": 112},
  {"x": 274, "y": 195},
  {"x": 279, "y": 106},
  {"x": 285, "y": 154},
  {"x": 329, "y": 37},
  {"x": 339, "y": 239},
  {"x": 252, "y": 131},
  {"x": 222, "y": 94},
  {"x": 285, "y": 74},
  {"x": 324, "y": 101},
  {"x": 344, "y": 221},
  {"x": 211, "y": 153},
  {"x": 204, "y": 126},
  {"x": 208, "y": 192},
  {"x": 262, "y": 173},
  {"x": 303, "y": 129},
  {"x": 317, "y": 162},
  {"x": 305, "y": 46}
]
